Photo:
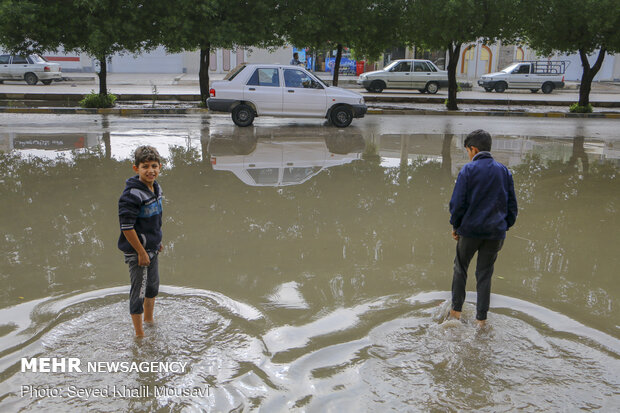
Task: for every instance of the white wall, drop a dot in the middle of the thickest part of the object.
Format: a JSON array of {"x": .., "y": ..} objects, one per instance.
[{"x": 282, "y": 55}]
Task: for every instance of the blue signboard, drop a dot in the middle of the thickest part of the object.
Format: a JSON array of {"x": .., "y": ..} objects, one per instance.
[{"x": 346, "y": 65}]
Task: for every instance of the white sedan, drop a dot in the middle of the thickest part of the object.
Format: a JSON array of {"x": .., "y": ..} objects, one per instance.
[
  {"x": 405, "y": 74},
  {"x": 30, "y": 68},
  {"x": 252, "y": 90}
]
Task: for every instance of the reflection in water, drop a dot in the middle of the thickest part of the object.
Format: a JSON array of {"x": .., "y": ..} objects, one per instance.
[
  {"x": 276, "y": 158},
  {"x": 324, "y": 295}
]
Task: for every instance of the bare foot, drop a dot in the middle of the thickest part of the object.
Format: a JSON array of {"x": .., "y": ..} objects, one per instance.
[
  {"x": 481, "y": 323},
  {"x": 454, "y": 314},
  {"x": 149, "y": 304},
  {"x": 137, "y": 324}
]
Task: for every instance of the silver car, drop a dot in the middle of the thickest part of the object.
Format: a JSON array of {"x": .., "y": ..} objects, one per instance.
[
  {"x": 422, "y": 75},
  {"x": 30, "y": 68}
]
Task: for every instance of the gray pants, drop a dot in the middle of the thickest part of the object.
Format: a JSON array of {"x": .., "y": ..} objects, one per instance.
[
  {"x": 487, "y": 254},
  {"x": 144, "y": 281}
]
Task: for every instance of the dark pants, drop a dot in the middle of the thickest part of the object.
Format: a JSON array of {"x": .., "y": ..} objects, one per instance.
[
  {"x": 144, "y": 281},
  {"x": 487, "y": 254}
]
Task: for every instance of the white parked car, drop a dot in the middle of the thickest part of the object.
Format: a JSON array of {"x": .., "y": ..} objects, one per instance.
[
  {"x": 546, "y": 75},
  {"x": 405, "y": 74},
  {"x": 251, "y": 90},
  {"x": 30, "y": 68}
]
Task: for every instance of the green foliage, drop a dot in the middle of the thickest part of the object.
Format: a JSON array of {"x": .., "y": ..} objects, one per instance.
[
  {"x": 95, "y": 100},
  {"x": 568, "y": 26},
  {"x": 576, "y": 108}
]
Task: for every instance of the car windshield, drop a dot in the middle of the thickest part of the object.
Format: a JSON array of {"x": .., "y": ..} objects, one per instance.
[
  {"x": 231, "y": 75},
  {"x": 391, "y": 65},
  {"x": 315, "y": 77},
  {"x": 509, "y": 68},
  {"x": 37, "y": 59}
]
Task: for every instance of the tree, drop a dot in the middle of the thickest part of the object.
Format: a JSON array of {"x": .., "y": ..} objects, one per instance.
[
  {"x": 98, "y": 28},
  {"x": 448, "y": 24},
  {"x": 575, "y": 26},
  {"x": 326, "y": 24},
  {"x": 209, "y": 24}
]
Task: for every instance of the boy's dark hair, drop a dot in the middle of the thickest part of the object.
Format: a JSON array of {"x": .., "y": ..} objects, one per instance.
[
  {"x": 480, "y": 139},
  {"x": 146, "y": 153}
]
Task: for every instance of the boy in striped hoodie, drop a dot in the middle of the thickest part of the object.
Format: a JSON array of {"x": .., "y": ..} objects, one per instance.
[{"x": 140, "y": 216}]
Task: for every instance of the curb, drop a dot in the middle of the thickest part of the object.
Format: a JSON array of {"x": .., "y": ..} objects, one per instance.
[
  {"x": 107, "y": 111},
  {"x": 491, "y": 114},
  {"x": 371, "y": 111},
  {"x": 133, "y": 97}
]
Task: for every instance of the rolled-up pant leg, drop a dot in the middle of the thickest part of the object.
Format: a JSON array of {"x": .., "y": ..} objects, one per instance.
[
  {"x": 487, "y": 254},
  {"x": 465, "y": 250},
  {"x": 144, "y": 282}
]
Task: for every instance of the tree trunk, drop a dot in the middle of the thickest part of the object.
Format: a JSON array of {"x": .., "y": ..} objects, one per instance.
[
  {"x": 337, "y": 65},
  {"x": 588, "y": 75},
  {"x": 203, "y": 72},
  {"x": 103, "y": 75},
  {"x": 454, "y": 50}
]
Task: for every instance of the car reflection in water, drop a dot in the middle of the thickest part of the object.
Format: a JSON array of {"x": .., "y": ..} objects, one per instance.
[{"x": 271, "y": 157}]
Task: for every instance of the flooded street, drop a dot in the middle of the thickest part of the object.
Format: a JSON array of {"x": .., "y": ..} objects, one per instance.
[{"x": 307, "y": 268}]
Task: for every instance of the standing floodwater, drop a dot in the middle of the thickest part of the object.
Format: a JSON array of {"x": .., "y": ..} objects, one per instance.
[{"x": 306, "y": 268}]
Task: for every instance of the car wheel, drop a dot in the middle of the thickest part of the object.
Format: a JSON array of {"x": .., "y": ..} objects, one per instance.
[
  {"x": 341, "y": 116},
  {"x": 46, "y": 82},
  {"x": 501, "y": 87},
  {"x": 547, "y": 88},
  {"x": 31, "y": 78},
  {"x": 432, "y": 88},
  {"x": 377, "y": 86},
  {"x": 488, "y": 89},
  {"x": 243, "y": 115}
]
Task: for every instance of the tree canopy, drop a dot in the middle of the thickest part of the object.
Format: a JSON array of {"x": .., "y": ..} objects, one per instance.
[
  {"x": 574, "y": 26},
  {"x": 448, "y": 24}
]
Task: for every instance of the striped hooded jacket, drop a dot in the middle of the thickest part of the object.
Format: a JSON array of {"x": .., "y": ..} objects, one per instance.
[{"x": 140, "y": 209}]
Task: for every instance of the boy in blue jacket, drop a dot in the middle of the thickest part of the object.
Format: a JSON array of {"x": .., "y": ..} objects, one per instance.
[
  {"x": 482, "y": 208},
  {"x": 140, "y": 216}
]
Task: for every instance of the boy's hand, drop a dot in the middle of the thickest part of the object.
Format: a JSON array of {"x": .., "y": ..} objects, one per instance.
[
  {"x": 455, "y": 235},
  {"x": 161, "y": 247},
  {"x": 143, "y": 259}
]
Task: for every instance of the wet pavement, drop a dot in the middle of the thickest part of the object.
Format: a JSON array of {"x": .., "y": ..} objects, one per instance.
[{"x": 307, "y": 268}]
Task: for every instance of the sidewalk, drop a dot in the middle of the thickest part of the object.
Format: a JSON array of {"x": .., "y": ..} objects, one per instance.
[{"x": 165, "y": 79}]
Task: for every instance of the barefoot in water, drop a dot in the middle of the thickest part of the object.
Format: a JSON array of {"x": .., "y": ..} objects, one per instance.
[
  {"x": 137, "y": 324},
  {"x": 149, "y": 304},
  {"x": 454, "y": 315}
]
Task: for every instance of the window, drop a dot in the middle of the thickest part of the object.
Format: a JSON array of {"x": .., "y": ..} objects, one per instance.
[
  {"x": 293, "y": 175},
  {"x": 265, "y": 77},
  {"x": 421, "y": 67},
  {"x": 19, "y": 60},
  {"x": 33, "y": 58},
  {"x": 402, "y": 67},
  {"x": 264, "y": 176},
  {"x": 231, "y": 75},
  {"x": 298, "y": 78},
  {"x": 4, "y": 59},
  {"x": 524, "y": 69}
]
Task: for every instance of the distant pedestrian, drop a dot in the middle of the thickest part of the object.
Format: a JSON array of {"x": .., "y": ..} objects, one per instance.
[
  {"x": 295, "y": 60},
  {"x": 140, "y": 216},
  {"x": 482, "y": 208}
]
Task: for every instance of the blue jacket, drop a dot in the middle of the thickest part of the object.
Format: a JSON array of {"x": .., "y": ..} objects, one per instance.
[
  {"x": 483, "y": 203},
  {"x": 140, "y": 209}
]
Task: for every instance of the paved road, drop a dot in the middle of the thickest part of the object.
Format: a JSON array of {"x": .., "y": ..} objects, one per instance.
[
  {"x": 170, "y": 84},
  {"x": 189, "y": 126}
]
